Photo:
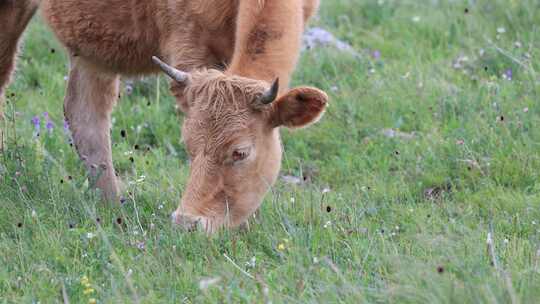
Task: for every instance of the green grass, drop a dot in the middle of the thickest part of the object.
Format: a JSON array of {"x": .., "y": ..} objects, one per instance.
[{"x": 405, "y": 221}]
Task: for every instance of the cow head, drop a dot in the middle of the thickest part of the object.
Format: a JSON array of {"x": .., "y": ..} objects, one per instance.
[{"x": 231, "y": 135}]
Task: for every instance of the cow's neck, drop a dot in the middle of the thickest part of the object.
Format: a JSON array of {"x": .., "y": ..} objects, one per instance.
[{"x": 267, "y": 39}]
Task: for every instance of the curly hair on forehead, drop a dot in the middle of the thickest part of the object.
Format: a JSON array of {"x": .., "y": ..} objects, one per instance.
[
  {"x": 221, "y": 105},
  {"x": 216, "y": 92}
]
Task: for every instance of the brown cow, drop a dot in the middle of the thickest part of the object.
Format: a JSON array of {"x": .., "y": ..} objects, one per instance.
[{"x": 232, "y": 116}]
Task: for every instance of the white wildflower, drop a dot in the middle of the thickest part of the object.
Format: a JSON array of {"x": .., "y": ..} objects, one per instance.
[
  {"x": 251, "y": 263},
  {"x": 208, "y": 282}
]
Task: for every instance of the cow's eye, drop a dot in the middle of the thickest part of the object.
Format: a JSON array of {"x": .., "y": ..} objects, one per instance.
[{"x": 240, "y": 154}]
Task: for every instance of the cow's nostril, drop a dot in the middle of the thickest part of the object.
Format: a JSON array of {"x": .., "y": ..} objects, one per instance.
[{"x": 186, "y": 222}]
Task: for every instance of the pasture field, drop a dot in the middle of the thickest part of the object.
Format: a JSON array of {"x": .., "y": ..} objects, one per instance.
[{"x": 422, "y": 179}]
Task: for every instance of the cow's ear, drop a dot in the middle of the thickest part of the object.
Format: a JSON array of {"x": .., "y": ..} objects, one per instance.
[{"x": 299, "y": 107}]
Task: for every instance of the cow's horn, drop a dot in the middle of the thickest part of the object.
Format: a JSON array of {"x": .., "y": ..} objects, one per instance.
[
  {"x": 175, "y": 74},
  {"x": 271, "y": 94}
]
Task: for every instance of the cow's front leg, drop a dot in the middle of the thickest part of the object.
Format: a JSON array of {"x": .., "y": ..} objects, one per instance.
[
  {"x": 90, "y": 97},
  {"x": 14, "y": 17}
]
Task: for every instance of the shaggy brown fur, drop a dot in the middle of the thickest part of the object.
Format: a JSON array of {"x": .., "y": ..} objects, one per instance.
[{"x": 232, "y": 138}]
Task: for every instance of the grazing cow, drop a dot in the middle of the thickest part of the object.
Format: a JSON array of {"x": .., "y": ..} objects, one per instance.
[{"x": 230, "y": 64}]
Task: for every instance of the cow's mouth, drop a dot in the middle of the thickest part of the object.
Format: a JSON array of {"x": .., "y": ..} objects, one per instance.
[{"x": 187, "y": 222}]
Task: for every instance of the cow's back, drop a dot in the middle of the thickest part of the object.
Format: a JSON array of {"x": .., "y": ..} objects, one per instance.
[{"x": 123, "y": 35}]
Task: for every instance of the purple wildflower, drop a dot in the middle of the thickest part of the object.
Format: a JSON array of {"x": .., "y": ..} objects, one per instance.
[
  {"x": 46, "y": 114},
  {"x": 376, "y": 54},
  {"x": 36, "y": 122},
  {"x": 508, "y": 74},
  {"x": 67, "y": 133},
  {"x": 49, "y": 126}
]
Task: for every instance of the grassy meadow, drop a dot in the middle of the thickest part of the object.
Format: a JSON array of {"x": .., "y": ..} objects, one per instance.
[{"x": 422, "y": 181}]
